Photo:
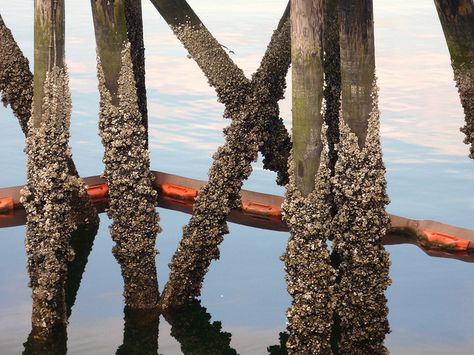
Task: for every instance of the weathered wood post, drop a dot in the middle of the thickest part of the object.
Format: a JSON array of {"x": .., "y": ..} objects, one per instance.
[
  {"x": 309, "y": 275},
  {"x": 230, "y": 83},
  {"x": 49, "y": 194},
  {"x": 123, "y": 131},
  {"x": 359, "y": 189},
  {"x": 457, "y": 20}
]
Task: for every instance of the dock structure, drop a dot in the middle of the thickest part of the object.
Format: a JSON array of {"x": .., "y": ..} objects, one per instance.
[{"x": 332, "y": 168}]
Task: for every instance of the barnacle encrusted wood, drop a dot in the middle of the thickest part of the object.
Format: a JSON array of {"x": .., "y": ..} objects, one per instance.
[
  {"x": 132, "y": 197},
  {"x": 457, "y": 19},
  {"x": 232, "y": 87},
  {"x": 47, "y": 199},
  {"x": 16, "y": 80},
  {"x": 231, "y": 166},
  {"x": 309, "y": 274},
  {"x": 360, "y": 223}
]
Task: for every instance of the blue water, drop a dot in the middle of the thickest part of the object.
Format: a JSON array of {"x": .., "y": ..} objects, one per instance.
[{"x": 428, "y": 172}]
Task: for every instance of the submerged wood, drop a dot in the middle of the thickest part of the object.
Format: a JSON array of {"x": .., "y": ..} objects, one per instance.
[
  {"x": 457, "y": 20},
  {"x": 231, "y": 166},
  {"x": 16, "y": 80},
  {"x": 232, "y": 87},
  {"x": 306, "y": 209}
]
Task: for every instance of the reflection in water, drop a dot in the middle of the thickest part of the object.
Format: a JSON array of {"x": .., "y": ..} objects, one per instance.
[
  {"x": 140, "y": 335},
  {"x": 191, "y": 326},
  {"x": 81, "y": 242}
]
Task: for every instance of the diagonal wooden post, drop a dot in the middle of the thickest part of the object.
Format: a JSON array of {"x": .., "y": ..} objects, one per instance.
[
  {"x": 231, "y": 166},
  {"x": 16, "y": 80},
  {"x": 230, "y": 83},
  {"x": 457, "y": 20}
]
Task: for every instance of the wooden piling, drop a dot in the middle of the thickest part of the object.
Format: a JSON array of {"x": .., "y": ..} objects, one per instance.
[
  {"x": 123, "y": 129},
  {"x": 307, "y": 78},
  {"x": 49, "y": 29},
  {"x": 357, "y": 52},
  {"x": 457, "y": 20}
]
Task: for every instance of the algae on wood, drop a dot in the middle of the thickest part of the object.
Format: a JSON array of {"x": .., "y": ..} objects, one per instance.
[
  {"x": 457, "y": 20},
  {"x": 307, "y": 78},
  {"x": 306, "y": 209}
]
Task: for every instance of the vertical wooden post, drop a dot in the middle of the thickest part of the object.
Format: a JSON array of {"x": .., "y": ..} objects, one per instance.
[
  {"x": 123, "y": 129},
  {"x": 457, "y": 20},
  {"x": 306, "y": 209},
  {"x": 357, "y": 64},
  {"x": 49, "y": 32},
  {"x": 359, "y": 192},
  {"x": 307, "y": 77}
]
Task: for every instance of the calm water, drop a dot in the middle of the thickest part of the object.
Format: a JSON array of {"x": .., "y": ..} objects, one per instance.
[{"x": 429, "y": 177}]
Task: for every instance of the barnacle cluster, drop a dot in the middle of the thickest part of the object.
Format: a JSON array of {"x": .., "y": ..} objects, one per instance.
[
  {"x": 47, "y": 199},
  {"x": 360, "y": 223},
  {"x": 464, "y": 77},
  {"x": 132, "y": 197},
  {"x": 233, "y": 88},
  {"x": 309, "y": 274},
  {"x": 231, "y": 166},
  {"x": 15, "y": 77}
]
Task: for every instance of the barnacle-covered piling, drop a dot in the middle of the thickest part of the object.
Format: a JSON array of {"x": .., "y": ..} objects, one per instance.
[
  {"x": 16, "y": 79},
  {"x": 307, "y": 210},
  {"x": 360, "y": 223},
  {"x": 132, "y": 197},
  {"x": 232, "y": 87},
  {"x": 457, "y": 18},
  {"x": 309, "y": 274},
  {"x": 47, "y": 199},
  {"x": 231, "y": 166}
]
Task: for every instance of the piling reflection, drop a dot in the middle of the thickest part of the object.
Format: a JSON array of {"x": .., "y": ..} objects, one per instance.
[
  {"x": 54, "y": 342},
  {"x": 191, "y": 326},
  {"x": 140, "y": 334}
]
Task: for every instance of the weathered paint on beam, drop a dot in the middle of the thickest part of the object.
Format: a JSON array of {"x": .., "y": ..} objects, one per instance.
[
  {"x": 307, "y": 77},
  {"x": 357, "y": 64}
]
